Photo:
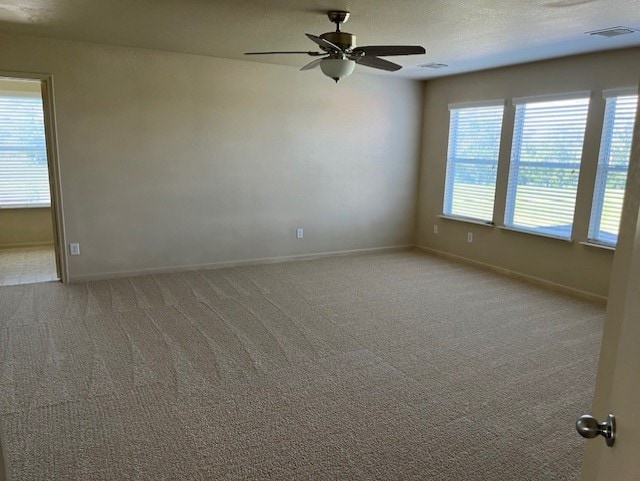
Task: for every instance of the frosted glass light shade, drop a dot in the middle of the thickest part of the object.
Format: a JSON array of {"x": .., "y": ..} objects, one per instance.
[{"x": 337, "y": 68}]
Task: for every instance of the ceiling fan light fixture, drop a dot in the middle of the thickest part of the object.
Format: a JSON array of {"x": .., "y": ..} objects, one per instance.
[
  {"x": 337, "y": 68},
  {"x": 338, "y": 53}
]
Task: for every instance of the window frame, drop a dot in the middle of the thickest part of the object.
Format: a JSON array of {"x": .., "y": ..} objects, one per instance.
[
  {"x": 32, "y": 95},
  {"x": 515, "y": 163},
  {"x": 451, "y": 161},
  {"x": 603, "y": 167}
]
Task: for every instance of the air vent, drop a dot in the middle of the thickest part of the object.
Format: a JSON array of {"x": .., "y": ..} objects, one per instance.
[
  {"x": 612, "y": 32},
  {"x": 433, "y": 65}
]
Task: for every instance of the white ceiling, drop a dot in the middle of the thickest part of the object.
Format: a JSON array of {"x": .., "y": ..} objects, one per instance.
[{"x": 467, "y": 35}]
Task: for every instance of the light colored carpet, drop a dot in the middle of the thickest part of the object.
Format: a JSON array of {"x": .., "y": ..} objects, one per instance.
[{"x": 388, "y": 366}]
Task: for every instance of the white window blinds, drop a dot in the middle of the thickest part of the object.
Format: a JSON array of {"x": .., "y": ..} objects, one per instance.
[
  {"x": 545, "y": 164},
  {"x": 24, "y": 179},
  {"x": 472, "y": 161},
  {"x": 613, "y": 163}
]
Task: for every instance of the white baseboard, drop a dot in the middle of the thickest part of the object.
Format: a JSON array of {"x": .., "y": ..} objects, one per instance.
[
  {"x": 237, "y": 263},
  {"x": 319, "y": 255},
  {"x": 519, "y": 275}
]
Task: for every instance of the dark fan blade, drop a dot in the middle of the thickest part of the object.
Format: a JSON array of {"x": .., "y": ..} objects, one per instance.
[
  {"x": 387, "y": 50},
  {"x": 376, "y": 62},
  {"x": 312, "y": 64},
  {"x": 324, "y": 44},
  {"x": 313, "y": 54}
]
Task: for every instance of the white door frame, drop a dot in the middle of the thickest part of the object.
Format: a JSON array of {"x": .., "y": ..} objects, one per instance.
[{"x": 53, "y": 165}]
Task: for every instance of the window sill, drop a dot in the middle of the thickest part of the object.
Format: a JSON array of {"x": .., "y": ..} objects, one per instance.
[
  {"x": 599, "y": 246},
  {"x": 25, "y": 206},
  {"x": 466, "y": 220},
  {"x": 537, "y": 234}
]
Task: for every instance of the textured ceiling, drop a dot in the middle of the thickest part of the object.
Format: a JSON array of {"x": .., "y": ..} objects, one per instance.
[{"x": 466, "y": 35}]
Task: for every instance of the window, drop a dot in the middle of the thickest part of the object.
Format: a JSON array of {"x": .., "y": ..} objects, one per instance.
[
  {"x": 545, "y": 164},
  {"x": 472, "y": 160},
  {"x": 24, "y": 178},
  {"x": 613, "y": 163}
]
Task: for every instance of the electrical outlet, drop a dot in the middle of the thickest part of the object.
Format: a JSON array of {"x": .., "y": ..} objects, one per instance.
[
  {"x": 435, "y": 228},
  {"x": 469, "y": 237},
  {"x": 299, "y": 233},
  {"x": 74, "y": 249}
]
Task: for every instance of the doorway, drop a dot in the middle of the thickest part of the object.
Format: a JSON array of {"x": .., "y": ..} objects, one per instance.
[{"x": 29, "y": 231}]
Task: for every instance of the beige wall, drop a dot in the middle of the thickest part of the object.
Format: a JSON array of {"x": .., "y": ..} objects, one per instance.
[
  {"x": 173, "y": 160},
  {"x": 24, "y": 227},
  {"x": 570, "y": 264}
]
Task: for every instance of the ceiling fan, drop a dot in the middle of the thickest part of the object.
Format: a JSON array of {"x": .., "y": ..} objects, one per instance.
[{"x": 339, "y": 54}]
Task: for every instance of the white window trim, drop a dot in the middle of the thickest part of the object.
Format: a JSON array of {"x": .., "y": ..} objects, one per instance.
[
  {"x": 34, "y": 95},
  {"x": 596, "y": 245},
  {"x": 515, "y": 152},
  {"x": 521, "y": 230},
  {"x": 552, "y": 97},
  {"x": 597, "y": 195},
  {"x": 468, "y": 220},
  {"x": 619, "y": 92},
  {"x": 20, "y": 93},
  {"x": 477, "y": 104},
  {"x": 447, "y": 201},
  {"x": 25, "y": 206}
]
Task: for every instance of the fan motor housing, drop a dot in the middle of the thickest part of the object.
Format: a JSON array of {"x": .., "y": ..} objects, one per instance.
[{"x": 346, "y": 41}]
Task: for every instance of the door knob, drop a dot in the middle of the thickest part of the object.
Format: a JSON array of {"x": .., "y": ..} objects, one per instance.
[{"x": 589, "y": 427}]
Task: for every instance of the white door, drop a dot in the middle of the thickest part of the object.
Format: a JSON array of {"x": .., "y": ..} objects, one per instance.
[{"x": 618, "y": 381}]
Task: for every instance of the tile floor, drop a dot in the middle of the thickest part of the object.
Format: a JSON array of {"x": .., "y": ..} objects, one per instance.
[{"x": 27, "y": 265}]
